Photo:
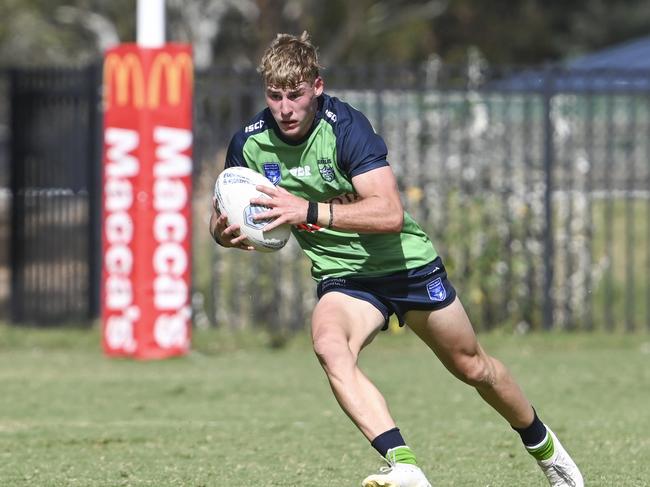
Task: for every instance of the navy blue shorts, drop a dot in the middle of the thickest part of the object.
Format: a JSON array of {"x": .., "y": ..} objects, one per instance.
[{"x": 423, "y": 288}]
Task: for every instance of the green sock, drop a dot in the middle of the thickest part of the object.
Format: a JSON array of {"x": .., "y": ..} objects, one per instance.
[
  {"x": 401, "y": 454},
  {"x": 544, "y": 450}
]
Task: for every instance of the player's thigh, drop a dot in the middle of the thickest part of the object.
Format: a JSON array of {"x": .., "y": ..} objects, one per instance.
[
  {"x": 448, "y": 332},
  {"x": 345, "y": 320}
]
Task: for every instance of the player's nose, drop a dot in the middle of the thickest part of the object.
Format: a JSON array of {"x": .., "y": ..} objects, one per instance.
[{"x": 285, "y": 108}]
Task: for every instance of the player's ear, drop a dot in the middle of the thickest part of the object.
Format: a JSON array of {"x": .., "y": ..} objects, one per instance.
[{"x": 319, "y": 85}]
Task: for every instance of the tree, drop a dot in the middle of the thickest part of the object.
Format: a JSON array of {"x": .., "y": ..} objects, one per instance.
[
  {"x": 234, "y": 32},
  {"x": 37, "y": 32}
]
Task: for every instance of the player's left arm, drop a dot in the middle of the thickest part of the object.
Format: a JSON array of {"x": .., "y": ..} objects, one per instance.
[{"x": 378, "y": 209}]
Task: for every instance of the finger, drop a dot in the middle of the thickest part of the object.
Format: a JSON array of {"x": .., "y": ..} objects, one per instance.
[
  {"x": 281, "y": 190},
  {"x": 268, "y": 190},
  {"x": 264, "y": 201},
  {"x": 231, "y": 231},
  {"x": 275, "y": 223},
  {"x": 266, "y": 215},
  {"x": 222, "y": 220},
  {"x": 246, "y": 246},
  {"x": 241, "y": 242}
]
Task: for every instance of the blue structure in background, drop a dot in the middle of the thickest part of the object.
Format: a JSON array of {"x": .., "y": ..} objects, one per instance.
[
  {"x": 629, "y": 55},
  {"x": 621, "y": 68}
]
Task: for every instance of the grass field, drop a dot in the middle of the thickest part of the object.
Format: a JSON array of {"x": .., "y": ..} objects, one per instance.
[{"x": 235, "y": 413}]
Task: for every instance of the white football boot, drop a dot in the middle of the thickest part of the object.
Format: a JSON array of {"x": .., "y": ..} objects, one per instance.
[
  {"x": 397, "y": 475},
  {"x": 560, "y": 469}
]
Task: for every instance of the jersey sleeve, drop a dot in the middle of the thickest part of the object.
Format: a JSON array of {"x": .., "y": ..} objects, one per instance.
[
  {"x": 235, "y": 153},
  {"x": 359, "y": 147}
]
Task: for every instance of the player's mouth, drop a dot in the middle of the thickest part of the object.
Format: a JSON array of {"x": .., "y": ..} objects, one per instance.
[{"x": 289, "y": 124}]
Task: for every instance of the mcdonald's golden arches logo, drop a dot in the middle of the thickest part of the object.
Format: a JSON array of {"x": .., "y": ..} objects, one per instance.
[
  {"x": 127, "y": 84},
  {"x": 172, "y": 70},
  {"x": 124, "y": 80}
]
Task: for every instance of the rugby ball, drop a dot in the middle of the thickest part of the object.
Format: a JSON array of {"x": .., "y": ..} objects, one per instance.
[{"x": 234, "y": 189}]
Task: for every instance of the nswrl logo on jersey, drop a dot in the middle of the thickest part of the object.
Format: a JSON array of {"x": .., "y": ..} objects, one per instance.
[
  {"x": 326, "y": 170},
  {"x": 436, "y": 290},
  {"x": 272, "y": 172}
]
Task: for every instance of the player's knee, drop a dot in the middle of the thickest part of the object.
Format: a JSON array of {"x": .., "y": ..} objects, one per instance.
[
  {"x": 476, "y": 370},
  {"x": 332, "y": 351}
]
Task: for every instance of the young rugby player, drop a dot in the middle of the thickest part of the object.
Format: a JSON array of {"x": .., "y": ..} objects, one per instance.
[{"x": 370, "y": 258}]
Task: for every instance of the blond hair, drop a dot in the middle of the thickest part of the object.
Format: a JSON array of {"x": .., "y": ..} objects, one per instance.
[{"x": 288, "y": 61}]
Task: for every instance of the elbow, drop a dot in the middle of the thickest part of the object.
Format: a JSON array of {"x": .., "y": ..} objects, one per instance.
[{"x": 395, "y": 223}]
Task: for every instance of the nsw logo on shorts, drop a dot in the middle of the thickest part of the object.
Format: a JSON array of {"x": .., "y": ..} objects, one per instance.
[{"x": 436, "y": 290}]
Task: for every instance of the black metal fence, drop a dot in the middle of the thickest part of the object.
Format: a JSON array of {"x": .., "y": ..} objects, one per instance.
[
  {"x": 535, "y": 188},
  {"x": 53, "y": 232},
  {"x": 5, "y": 197}
]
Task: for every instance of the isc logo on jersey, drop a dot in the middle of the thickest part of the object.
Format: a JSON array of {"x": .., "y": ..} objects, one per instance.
[
  {"x": 331, "y": 115},
  {"x": 254, "y": 126}
]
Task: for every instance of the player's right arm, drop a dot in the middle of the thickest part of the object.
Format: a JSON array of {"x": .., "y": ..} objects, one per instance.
[{"x": 224, "y": 234}]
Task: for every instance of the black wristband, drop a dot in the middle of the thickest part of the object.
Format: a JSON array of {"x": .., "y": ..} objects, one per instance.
[
  {"x": 329, "y": 225},
  {"x": 312, "y": 213}
]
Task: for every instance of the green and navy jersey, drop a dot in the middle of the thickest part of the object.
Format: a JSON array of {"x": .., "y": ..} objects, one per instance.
[{"x": 340, "y": 145}]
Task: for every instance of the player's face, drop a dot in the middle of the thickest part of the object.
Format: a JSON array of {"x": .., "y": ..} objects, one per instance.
[{"x": 294, "y": 109}]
